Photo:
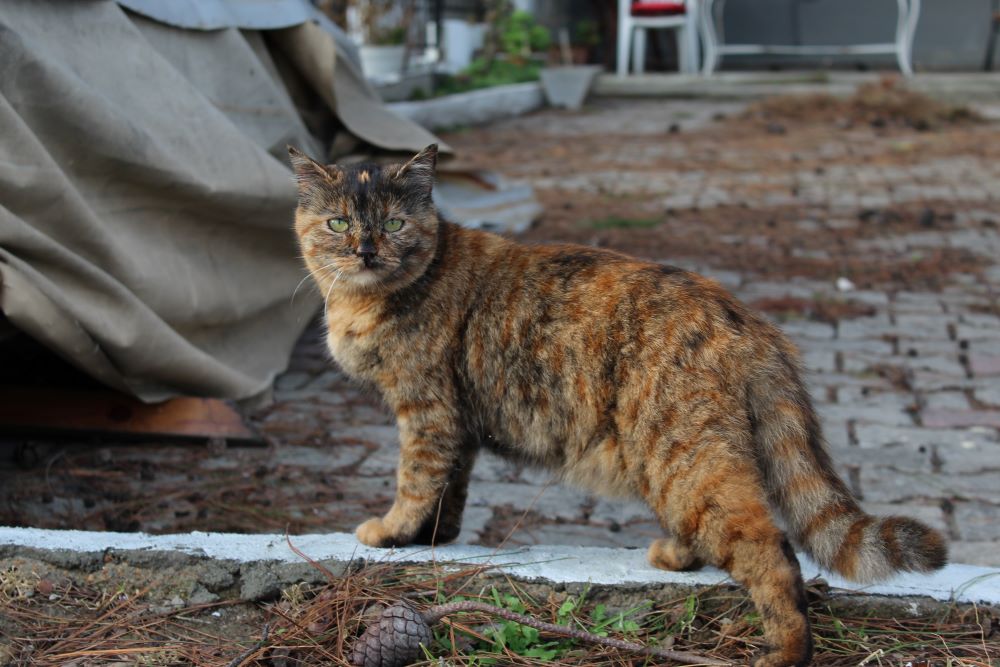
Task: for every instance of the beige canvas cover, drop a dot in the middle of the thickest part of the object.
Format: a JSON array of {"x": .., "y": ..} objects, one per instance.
[{"x": 145, "y": 196}]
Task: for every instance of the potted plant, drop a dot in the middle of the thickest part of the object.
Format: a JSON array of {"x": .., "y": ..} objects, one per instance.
[
  {"x": 567, "y": 85},
  {"x": 383, "y": 27}
]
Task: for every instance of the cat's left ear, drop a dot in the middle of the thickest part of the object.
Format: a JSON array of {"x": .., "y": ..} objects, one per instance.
[
  {"x": 310, "y": 174},
  {"x": 420, "y": 169}
]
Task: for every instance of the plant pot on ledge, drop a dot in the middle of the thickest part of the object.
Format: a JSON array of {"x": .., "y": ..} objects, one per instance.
[
  {"x": 567, "y": 86},
  {"x": 382, "y": 62}
]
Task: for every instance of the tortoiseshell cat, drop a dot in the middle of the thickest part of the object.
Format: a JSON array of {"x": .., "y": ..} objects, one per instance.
[{"x": 625, "y": 377}]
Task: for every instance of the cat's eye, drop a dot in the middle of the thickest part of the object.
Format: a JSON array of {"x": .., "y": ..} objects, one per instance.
[
  {"x": 392, "y": 225},
  {"x": 337, "y": 224}
]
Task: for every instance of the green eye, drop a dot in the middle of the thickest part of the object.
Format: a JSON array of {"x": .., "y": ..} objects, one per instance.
[
  {"x": 392, "y": 225},
  {"x": 337, "y": 224}
]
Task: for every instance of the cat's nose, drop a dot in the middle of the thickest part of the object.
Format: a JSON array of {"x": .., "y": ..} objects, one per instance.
[{"x": 366, "y": 251}]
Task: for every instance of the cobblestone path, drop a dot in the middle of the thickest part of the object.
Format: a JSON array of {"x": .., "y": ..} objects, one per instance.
[{"x": 903, "y": 356}]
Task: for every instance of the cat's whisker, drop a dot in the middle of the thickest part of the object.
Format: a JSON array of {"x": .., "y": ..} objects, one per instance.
[
  {"x": 307, "y": 277},
  {"x": 329, "y": 291}
]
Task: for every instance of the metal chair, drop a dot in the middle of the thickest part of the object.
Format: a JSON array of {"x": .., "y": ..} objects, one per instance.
[
  {"x": 901, "y": 47},
  {"x": 635, "y": 17}
]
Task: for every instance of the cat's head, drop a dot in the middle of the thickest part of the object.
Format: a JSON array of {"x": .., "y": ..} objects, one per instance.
[{"x": 366, "y": 226}]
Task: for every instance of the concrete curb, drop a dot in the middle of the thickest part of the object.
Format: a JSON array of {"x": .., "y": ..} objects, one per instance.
[
  {"x": 951, "y": 87},
  {"x": 475, "y": 107},
  {"x": 554, "y": 564}
]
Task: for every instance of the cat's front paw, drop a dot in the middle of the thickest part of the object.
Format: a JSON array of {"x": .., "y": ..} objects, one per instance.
[{"x": 374, "y": 533}]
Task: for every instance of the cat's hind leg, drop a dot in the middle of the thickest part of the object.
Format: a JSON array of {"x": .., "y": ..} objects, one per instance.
[
  {"x": 669, "y": 553},
  {"x": 721, "y": 510}
]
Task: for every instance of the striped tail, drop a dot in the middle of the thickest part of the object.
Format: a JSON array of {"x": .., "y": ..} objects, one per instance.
[{"x": 822, "y": 515}]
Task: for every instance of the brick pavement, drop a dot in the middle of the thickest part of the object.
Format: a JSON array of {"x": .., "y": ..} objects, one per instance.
[{"x": 909, "y": 395}]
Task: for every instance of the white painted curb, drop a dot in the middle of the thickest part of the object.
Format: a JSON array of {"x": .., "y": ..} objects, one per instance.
[{"x": 558, "y": 564}]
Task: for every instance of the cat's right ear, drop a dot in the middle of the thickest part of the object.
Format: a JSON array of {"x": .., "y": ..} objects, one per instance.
[{"x": 310, "y": 174}]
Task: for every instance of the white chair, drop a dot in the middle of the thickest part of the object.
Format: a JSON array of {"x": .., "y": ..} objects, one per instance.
[{"x": 635, "y": 17}]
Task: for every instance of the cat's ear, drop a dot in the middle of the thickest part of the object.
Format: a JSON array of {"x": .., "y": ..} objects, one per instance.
[
  {"x": 310, "y": 174},
  {"x": 420, "y": 169}
]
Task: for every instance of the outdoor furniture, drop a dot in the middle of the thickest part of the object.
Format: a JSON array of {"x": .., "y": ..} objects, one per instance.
[
  {"x": 991, "y": 42},
  {"x": 635, "y": 17},
  {"x": 715, "y": 48}
]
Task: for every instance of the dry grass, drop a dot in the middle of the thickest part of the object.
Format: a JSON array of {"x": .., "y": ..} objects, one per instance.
[{"x": 49, "y": 623}]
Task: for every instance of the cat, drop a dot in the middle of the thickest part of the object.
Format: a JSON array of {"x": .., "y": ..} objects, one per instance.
[{"x": 625, "y": 377}]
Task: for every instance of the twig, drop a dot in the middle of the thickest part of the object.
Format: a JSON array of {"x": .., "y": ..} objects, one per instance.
[{"x": 253, "y": 649}]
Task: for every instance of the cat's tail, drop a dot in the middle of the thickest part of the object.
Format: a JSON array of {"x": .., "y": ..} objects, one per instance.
[{"x": 822, "y": 515}]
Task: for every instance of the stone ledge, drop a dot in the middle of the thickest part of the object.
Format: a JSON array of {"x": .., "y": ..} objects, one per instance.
[
  {"x": 476, "y": 107},
  {"x": 266, "y": 561}
]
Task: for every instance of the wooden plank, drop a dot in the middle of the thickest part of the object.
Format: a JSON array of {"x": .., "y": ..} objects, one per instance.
[{"x": 102, "y": 412}]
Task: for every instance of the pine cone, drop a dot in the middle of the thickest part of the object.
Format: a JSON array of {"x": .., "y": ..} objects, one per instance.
[{"x": 394, "y": 640}]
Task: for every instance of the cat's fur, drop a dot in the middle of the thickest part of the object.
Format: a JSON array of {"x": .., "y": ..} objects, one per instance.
[{"x": 625, "y": 377}]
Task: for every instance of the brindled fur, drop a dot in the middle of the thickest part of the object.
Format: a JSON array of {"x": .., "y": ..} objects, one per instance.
[{"x": 625, "y": 377}]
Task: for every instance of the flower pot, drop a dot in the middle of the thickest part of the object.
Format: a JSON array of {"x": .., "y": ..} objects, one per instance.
[
  {"x": 382, "y": 62},
  {"x": 567, "y": 86}
]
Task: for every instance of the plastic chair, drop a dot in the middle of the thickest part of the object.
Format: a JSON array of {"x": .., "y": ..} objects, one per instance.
[{"x": 635, "y": 17}]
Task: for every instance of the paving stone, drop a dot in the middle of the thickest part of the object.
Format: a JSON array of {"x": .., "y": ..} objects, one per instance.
[
  {"x": 933, "y": 381},
  {"x": 944, "y": 365},
  {"x": 958, "y": 418},
  {"x": 930, "y": 514},
  {"x": 291, "y": 380},
  {"x": 977, "y": 520},
  {"x": 923, "y": 326},
  {"x": 984, "y": 365},
  {"x": 989, "y": 394},
  {"x": 872, "y": 298},
  {"x": 974, "y": 439},
  {"x": 555, "y": 501},
  {"x": 835, "y": 431},
  {"x": 474, "y": 522},
  {"x": 869, "y": 380},
  {"x": 329, "y": 379},
  {"x": 893, "y": 486},
  {"x": 805, "y": 329},
  {"x": 490, "y": 467},
  {"x": 856, "y": 411},
  {"x": 870, "y": 398},
  {"x": 872, "y": 346},
  {"x": 620, "y": 511},
  {"x": 974, "y": 552},
  {"x": 929, "y": 348},
  {"x": 917, "y": 302},
  {"x": 819, "y": 360},
  {"x": 946, "y": 400},
  {"x": 969, "y": 333},
  {"x": 637, "y": 536},
  {"x": 929, "y": 458},
  {"x": 335, "y": 456},
  {"x": 864, "y": 327}
]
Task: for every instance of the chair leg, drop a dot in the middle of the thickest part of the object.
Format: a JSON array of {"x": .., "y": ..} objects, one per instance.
[
  {"x": 687, "y": 48},
  {"x": 991, "y": 44},
  {"x": 639, "y": 51},
  {"x": 906, "y": 26},
  {"x": 624, "y": 49},
  {"x": 709, "y": 39}
]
